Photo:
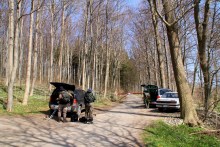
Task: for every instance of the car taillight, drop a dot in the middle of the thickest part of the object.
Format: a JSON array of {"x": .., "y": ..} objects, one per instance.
[
  {"x": 74, "y": 101},
  {"x": 158, "y": 97}
]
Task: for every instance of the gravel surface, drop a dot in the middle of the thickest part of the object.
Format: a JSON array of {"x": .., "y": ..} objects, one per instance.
[{"x": 120, "y": 126}]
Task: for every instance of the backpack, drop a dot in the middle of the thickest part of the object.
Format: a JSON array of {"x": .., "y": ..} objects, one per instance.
[
  {"x": 65, "y": 97},
  {"x": 89, "y": 97}
]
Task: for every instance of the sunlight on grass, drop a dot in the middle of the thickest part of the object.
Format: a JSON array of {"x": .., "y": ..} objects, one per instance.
[
  {"x": 160, "y": 134},
  {"x": 36, "y": 103}
]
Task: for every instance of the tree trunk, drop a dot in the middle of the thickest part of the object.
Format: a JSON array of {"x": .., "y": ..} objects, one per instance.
[
  {"x": 41, "y": 58},
  {"x": 201, "y": 29},
  {"x": 52, "y": 42},
  {"x": 194, "y": 75},
  {"x": 107, "y": 54},
  {"x": 10, "y": 41},
  {"x": 28, "y": 72},
  {"x": 166, "y": 59},
  {"x": 158, "y": 44},
  {"x": 21, "y": 55},
  {"x": 85, "y": 51},
  {"x": 62, "y": 41},
  {"x": 188, "y": 112},
  {"x": 10, "y": 53},
  {"x": 35, "y": 50}
]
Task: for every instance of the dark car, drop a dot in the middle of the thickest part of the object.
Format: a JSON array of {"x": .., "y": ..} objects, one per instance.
[
  {"x": 76, "y": 103},
  {"x": 151, "y": 93}
]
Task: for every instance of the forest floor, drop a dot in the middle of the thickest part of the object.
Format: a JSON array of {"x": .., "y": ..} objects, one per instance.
[{"x": 121, "y": 125}]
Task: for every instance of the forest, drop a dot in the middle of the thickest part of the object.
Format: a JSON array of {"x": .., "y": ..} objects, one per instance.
[{"x": 112, "y": 48}]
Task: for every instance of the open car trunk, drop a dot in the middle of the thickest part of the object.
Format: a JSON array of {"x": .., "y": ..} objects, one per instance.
[
  {"x": 64, "y": 85},
  {"x": 152, "y": 90}
]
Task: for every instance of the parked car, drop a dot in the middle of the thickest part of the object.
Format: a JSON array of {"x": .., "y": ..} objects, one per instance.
[
  {"x": 76, "y": 103},
  {"x": 151, "y": 93},
  {"x": 169, "y": 100}
]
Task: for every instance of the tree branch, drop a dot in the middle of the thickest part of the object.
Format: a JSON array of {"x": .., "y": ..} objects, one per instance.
[
  {"x": 31, "y": 11},
  {"x": 161, "y": 17},
  {"x": 179, "y": 18}
]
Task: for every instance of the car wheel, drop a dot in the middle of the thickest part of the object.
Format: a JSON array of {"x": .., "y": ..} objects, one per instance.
[
  {"x": 160, "y": 109},
  {"x": 74, "y": 117}
]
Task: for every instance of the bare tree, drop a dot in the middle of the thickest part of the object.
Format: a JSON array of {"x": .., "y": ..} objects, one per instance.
[
  {"x": 62, "y": 40},
  {"x": 188, "y": 112},
  {"x": 38, "y": 13},
  {"x": 11, "y": 75},
  {"x": 201, "y": 29},
  {"x": 158, "y": 43},
  {"x": 52, "y": 11},
  {"x": 28, "y": 72},
  {"x": 107, "y": 52}
]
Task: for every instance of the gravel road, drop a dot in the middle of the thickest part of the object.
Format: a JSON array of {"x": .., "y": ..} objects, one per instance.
[{"x": 120, "y": 126}]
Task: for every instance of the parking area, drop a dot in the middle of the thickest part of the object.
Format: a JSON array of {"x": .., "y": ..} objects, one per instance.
[{"x": 120, "y": 126}]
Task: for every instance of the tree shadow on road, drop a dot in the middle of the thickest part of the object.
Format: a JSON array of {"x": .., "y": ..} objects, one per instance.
[
  {"x": 29, "y": 131},
  {"x": 143, "y": 114}
]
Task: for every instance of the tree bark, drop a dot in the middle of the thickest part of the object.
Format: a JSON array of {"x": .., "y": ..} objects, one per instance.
[
  {"x": 38, "y": 13},
  {"x": 85, "y": 51},
  {"x": 62, "y": 41},
  {"x": 52, "y": 41},
  {"x": 188, "y": 112},
  {"x": 21, "y": 51},
  {"x": 201, "y": 29},
  {"x": 10, "y": 53},
  {"x": 166, "y": 59},
  {"x": 107, "y": 53},
  {"x": 158, "y": 44},
  {"x": 30, "y": 48}
]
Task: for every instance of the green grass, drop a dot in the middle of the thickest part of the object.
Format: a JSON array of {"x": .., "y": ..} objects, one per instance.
[
  {"x": 218, "y": 108},
  {"x": 160, "y": 134},
  {"x": 109, "y": 101},
  {"x": 37, "y": 103}
]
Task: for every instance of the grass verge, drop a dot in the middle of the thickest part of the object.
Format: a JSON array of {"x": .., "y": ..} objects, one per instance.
[
  {"x": 161, "y": 134},
  {"x": 38, "y": 103}
]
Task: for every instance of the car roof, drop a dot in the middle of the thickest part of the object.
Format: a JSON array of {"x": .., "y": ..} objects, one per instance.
[
  {"x": 164, "y": 88},
  {"x": 171, "y": 92}
]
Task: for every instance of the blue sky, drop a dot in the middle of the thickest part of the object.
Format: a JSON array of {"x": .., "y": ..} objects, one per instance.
[{"x": 133, "y": 3}]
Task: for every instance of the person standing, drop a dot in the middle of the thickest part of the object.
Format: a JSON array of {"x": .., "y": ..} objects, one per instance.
[{"x": 88, "y": 100}]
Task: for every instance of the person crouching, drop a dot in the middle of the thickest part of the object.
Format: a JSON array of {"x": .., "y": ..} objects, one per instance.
[{"x": 64, "y": 102}]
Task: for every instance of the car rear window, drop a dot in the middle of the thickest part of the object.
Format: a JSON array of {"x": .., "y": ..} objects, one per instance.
[
  {"x": 145, "y": 90},
  {"x": 170, "y": 95},
  {"x": 162, "y": 91}
]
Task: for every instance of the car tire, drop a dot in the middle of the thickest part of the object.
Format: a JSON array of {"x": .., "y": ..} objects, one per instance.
[
  {"x": 74, "y": 117},
  {"x": 160, "y": 109}
]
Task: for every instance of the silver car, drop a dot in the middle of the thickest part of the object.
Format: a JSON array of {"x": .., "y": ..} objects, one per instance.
[
  {"x": 169, "y": 100},
  {"x": 151, "y": 93}
]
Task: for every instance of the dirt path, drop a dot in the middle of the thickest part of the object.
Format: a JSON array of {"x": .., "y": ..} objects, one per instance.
[{"x": 120, "y": 126}]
